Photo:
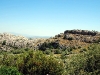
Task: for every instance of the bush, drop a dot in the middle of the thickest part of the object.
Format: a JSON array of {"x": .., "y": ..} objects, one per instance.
[
  {"x": 9, "y": 70},
  {"x": 26, "y": 49},
  {"x": 57, "y": 51},
  {"x": 4, "y": 42},
  {"x": 18, "y": 51},
  {"x": 51, "y": 45},
  {"x": 37, "y": 63},
  {"x": 87, "y": 63},
  {"x": 93, "y": 60},
  {"x": 47, "y": 52}
]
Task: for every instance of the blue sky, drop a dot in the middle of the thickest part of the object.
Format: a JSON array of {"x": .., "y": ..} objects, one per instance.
[{"x": 48, "y": 17}]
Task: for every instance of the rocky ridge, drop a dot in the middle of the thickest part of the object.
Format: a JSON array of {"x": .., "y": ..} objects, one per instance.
[
  {"x": 9, "y": 42},
  {"x": 72, "y": 39},
  {"x": 68, "y": 39}
]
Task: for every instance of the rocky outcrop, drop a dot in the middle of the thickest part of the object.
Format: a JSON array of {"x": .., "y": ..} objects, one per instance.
[
  {"x": 82, "y": 35},
  {"x": 82, "y": 32},
  {"x": 68, "y": 39},
  {"x": 9, "y": 41},
  {"x": 72, "y": 39}
]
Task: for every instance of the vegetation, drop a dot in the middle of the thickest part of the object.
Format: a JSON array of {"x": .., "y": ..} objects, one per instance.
[
  {"x": 9, "y": 70},
  {"x": 51, "y": 62},
  {"x": 51, "y": 45},
  {"x": 4, "y": 42}
]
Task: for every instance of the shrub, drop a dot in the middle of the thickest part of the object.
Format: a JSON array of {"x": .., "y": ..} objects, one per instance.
[
  {"x": 37, "y": 63},
  {"x": 57, "y": 51},
  {"x": 87, "y": 63},
  {"x": 4, "y": 42},
  {"x": 18, "y": 51},
  {"x": 26, "y": 49},
  {"x": 64, "y": 54},
  {"x": 47, "y": 52},
  {"x": 51, "y": 45},
  {"x": 93, "y": 60},
  {"x": 9, "y": 70}
]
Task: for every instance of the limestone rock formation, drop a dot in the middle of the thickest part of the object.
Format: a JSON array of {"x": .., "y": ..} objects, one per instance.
[
  {"x": 82, "y": 32},
  {"x": 9, "y": 41},
  {"x": 68, "y": 39},
  {"x": 72, "y": 39}
]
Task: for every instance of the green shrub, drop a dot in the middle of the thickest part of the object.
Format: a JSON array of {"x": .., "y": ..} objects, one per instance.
[
  {"x": 37, "y": 63},
  {"x": 26, "y": 49},
  {"x": 18, "y": 51},
  {"x": 50, "y": 45},
  {"x": 93, "y": 60},
  {"x": 4, "y": 42},
  {"x": 57, "y": 51},
  {"x": 87, "y": 63},
  {"x": 64, "y": 54},
  {"x": 9, "y": 70},
  {"x": 47, "y": 52}
]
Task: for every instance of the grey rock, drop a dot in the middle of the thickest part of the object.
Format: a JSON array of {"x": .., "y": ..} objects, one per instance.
[{"x": 9, "y": 41}]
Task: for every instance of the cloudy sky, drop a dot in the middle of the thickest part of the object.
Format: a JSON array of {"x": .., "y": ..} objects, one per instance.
[{"x": 48, "y": 17}]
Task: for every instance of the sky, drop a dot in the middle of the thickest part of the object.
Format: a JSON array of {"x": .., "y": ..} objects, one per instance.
[{"x": 48, "y": 17}]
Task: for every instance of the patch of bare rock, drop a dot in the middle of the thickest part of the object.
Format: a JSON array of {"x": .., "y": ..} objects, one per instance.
[{"x": 9, "y": 42}]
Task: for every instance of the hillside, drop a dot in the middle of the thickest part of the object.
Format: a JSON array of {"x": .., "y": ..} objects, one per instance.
[
  {"x": 74, "y": 52},
  {"x": 10, "y": 42},
  {"x": 72, "y": 39},
  {"x": 68, "y": 39}
]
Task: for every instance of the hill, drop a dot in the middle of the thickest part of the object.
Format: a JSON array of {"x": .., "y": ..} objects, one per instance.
[
  {"x": 72, "y": 39},
  {"x": 74, "y": 52},
  {"x": 10, "y": 42},
  {"x": 68, "y": 39}
]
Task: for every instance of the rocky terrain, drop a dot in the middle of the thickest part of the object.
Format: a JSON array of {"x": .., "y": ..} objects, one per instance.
[
  {"x": 72, "y": 39},
  {"x": 9, "y": 42},
  {"x": 68, "y": 39}
]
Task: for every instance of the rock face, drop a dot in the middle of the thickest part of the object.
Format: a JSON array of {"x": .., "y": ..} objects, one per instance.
[
  {"x": 82, "y": 35},
  {"x": 82, "y": 32},
  {"x": 8, "y": 42},
  {"x": 72, "y": 38}
]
